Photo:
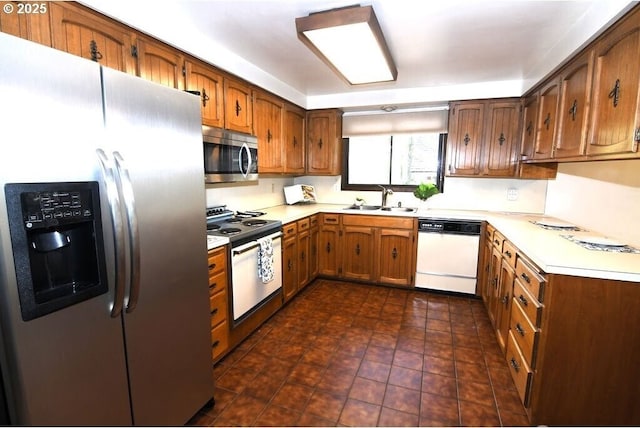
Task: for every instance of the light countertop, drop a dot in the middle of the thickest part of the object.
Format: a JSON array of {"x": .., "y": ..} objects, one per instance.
[{"x": 548, "y": 249}]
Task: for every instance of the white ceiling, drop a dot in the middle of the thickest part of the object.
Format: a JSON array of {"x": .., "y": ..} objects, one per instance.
[{"x": 443, "y": 49}]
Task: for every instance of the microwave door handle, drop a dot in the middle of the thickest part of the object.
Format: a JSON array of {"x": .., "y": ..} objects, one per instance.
[
  {"x": 113, "y": 197},
  {"x": 134, "y": 233},
  {"x": 245, "y": 149}
]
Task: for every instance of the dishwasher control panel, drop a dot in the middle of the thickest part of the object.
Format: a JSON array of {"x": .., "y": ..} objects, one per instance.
[{"x": 460, "y": 227}]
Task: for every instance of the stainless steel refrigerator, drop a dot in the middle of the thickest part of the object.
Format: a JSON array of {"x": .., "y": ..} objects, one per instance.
[{"x": 104, "y": 310}]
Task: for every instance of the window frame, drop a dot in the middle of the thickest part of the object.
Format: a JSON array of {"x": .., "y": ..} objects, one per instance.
[{"x": 345, "y": 185}]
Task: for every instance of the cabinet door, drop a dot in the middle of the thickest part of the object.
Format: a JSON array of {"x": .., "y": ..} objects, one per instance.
[
  {"x": 505, "y": 298},
  {"x": 486, "y": 283},
  {"x": 324, "y": 138},
  {"x": 313, "y": 247},
  {"x": 267, "y": 124},
  {"x": 206, "y": 80},
  {"x": 328, "y": 250},
  {"x": 238, "y": 106},
  {"x": 293, "y": 141},
  {"x": 396, "y": 255},
  {"x": 466, "y": 122},
  {"x": 494, "y": 278},
  {"x": 289, "y": 267},
  {"x": 304, "y": 241},
  {"x": 575, "y": 98},
  {"x": 547, "y": 118},
  {"x": 529, "y": 121},
  {"x": 33, "y": 26},
  {"x": 160, "y": 64},
  {"x": 81, "y": 33},
  {"x": 615, "y": 119},
  {"x": 357, "y": 252},
  {"x": 502, "y": 139}
]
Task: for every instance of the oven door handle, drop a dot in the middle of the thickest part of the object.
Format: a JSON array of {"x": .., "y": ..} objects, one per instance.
[{"x": 257, "y": 244}]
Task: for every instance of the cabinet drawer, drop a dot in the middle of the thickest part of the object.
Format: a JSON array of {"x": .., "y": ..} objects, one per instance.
[
  {"x": 509, "y": 253},
  {"x": 303, "y": 224},
  {"x": 525, "y": 334},
  {"x": 530, "y": 306},
  {"x": 289, "y": 229},
  {"x": 217, "y": 260},
  {"x": 529, "y": 277},
  {"x": 217, "y": 282},
  {"x": 520, "y": 371},
  {"x": 330, "y": 218},
  {"x": 378, "y": 221},
  {"x": 219, "y": 339},
  {"x": 488, "y": 232},
  {"x": 498, "y": 240},
  {"x": 218, "y": 305},
  {"x": 313, "y": 221}
]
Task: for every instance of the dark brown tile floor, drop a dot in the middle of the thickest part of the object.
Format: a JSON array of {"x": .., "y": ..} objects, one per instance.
[{"x": 346, "y": 354}]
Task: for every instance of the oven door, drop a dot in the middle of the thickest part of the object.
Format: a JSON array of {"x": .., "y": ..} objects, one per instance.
[
  {"x": 229, "y": 156},
  {"x": 249, "y": 291}
]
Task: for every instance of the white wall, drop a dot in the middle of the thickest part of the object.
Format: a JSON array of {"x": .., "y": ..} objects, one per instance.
[
  {"x": 600, "y": 196},
  {"x": 267, "y": 192}
]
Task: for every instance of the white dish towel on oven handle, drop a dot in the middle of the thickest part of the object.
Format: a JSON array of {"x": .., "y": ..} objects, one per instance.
[{"x": 265, "y": 259}]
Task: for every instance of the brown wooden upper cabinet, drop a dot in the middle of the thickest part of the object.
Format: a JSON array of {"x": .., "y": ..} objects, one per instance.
[
  {"x": 206, "y": 80},
  {"x": 160, "y": 63},
  {"x": 529, "y": 121},
  {"x": 484, "y": 138},
  {"x": 547, "y": 119},
  {"x": 33, "y": 26},
  {"x": 86, "y": 34},
  {"x": 238, "y": 106},
  {"x": 573, "y": 113},
  {"x": 267, "y": 123},
  {"x": 324, "y": 139},
  {"x": 615, "y": 119},
  {"x": 293, "y": 140}
]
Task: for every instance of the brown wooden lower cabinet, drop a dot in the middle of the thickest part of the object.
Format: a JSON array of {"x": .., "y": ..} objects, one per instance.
[
  {"x": 371, "y": 248},
  {"x": 573, "y": 346},
  {"x": 219, "y": 302}
]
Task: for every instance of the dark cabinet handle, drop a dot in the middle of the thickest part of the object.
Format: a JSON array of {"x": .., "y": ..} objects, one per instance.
[
  {"x": 94, "y": 52},
  {"x": 213, "y": 286},
  {"x": 574, "y": 109},
  {"x": 547, "y": 121},
  {"x": 328, "y": 247},
  {"x": 212, "y": 266},
  {"x": 302, "y": 256},
  {"x": 615, "y": 93},
  {"x": 530, "y": 127},
  {"x": 526, "y": 277},
  {"x": 520, "y": 330},
  {"x": 508, "y": 254},
  {"x": 358, "y": 249},
  {"x": 514, "y": 364},
  {"x": 215, "y": 344},
  {"x": 394, "y": 253},
  {"x": 214, "y": 312},
  {"x": 238, "y": 108},
  {"x": 320, "y": 143},
  {"x": 295, "y": 142},
  {"x": 501, "y": 140},
  {"x": 523, "y": 300},
  {"x": 205, "y": 98},
  {"x": 289, "y": 265},
  {"x": 466, "y": 139},
  {"x": 269, "y": 135},
  {"x": 505, "y": 300}
]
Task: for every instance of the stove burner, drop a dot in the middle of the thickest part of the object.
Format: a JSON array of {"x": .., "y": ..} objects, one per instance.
[
  {"x": 213, "y": 226},
  {"x": 229, "y": 230},
  {"x": 255, "y": 222}
]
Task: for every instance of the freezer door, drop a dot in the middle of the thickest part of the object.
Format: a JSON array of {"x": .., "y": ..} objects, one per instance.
[
  {"x": 67, "y": 367},
  {"x": 155, "y": 139}
]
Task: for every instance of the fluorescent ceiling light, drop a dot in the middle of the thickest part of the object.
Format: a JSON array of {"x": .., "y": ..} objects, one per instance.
[{"x": 349, "y": 40}]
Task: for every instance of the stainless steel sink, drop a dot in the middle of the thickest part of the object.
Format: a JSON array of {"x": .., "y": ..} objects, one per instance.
[
  {"x": 363, "y": 207},
  {"x": 399, "y": 209}
]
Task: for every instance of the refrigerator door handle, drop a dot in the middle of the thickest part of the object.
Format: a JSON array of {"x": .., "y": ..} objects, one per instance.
[
  {"x": 124, "y": 180},
  {"x": 118, "y": 229}
]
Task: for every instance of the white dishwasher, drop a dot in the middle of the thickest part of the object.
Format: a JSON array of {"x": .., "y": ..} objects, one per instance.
[{"x": 448, "y": 254}]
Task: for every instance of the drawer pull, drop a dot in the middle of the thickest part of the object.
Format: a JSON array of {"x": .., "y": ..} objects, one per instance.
[
  {"x": 514, "y": 364},
  {"x": 508, "y": 253},
  {"x": 523, "y": 300},
  {"x": 505, "y": 300},
  {"x": 212, "y": 266},
  {"x": 526, "y": 277},
  {"x": 290, "y": 230},
  {"x": 214, "y": 312},
  {"x": 496, "y": 241},
  {"x": 213, "y": 286},
  {"x": 520, "y": 330},
  {"x": 215, "y": 344},
  {"x": 331, "y": 220}
]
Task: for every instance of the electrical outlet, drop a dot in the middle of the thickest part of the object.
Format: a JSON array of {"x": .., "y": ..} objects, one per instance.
[
  {"x": 512, "y": 194},
  {"x": 273, "y": 187}
]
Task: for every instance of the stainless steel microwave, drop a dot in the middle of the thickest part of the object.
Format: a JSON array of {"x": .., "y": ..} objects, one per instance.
[{"x": 229, "y": 156}]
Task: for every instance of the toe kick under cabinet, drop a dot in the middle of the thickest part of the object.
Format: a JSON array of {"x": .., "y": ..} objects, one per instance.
[{"x": 573, "y": 347}]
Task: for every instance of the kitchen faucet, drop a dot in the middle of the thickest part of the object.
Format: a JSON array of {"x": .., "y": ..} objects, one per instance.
[{"x": 385, "y": 192}]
